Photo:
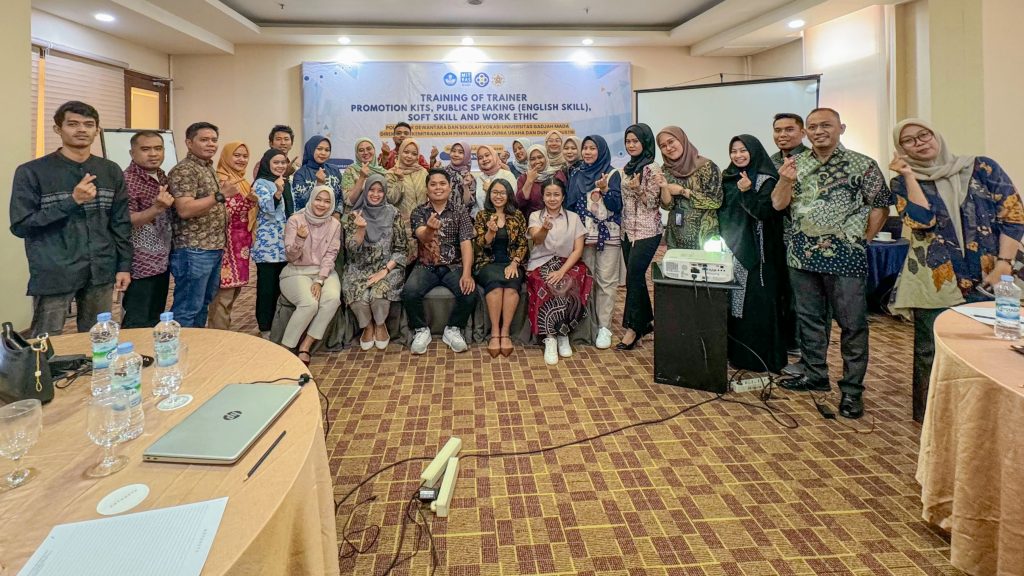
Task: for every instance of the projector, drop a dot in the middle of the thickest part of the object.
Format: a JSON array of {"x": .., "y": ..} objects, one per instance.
[{"x": 698, "y": 265}]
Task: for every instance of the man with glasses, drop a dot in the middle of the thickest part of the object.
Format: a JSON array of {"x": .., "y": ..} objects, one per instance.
[{"x": 838, "y": 200}]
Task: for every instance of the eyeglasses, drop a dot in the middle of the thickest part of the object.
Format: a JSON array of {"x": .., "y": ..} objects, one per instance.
[{"x": 922, "y": 137}]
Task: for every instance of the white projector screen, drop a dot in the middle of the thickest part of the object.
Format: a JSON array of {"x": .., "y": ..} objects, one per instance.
[
  {"x": 117, "y": 146},
  {"x": 711, "y": 114}
]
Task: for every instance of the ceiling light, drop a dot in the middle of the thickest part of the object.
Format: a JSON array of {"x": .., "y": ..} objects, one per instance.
[
  {"x": 344, "y": 40},
  {"x": 794, "y": 24},
  {"x": 588, "y": 41},
  {"x": 102, "y": 17},
  {"x": 467, "y": 41},
  {"x": 474, "y": 2}
]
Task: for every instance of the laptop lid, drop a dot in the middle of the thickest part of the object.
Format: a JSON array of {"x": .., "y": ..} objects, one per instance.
[{"x": 225, "y": 426}]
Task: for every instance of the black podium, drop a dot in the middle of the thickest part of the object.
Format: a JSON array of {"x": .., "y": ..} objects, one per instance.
[{"x": 691, "y": 332}]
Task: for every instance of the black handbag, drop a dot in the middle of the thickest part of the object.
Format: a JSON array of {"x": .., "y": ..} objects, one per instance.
[{"x": 24, "y": 367}]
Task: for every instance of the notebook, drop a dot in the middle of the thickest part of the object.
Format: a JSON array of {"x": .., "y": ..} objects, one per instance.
[{"x": 225, "y": 426}]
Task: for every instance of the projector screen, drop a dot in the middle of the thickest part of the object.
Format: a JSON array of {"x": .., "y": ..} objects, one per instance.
[
  {"x": 117, "y": 144},
  {"x": 711, "y": 114}
]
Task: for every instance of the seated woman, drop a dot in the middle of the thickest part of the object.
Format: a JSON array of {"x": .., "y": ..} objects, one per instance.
[
  {"x": 557, "y": 280},
  {"x": 500, "y": 247},
  {"x": 312, "y": 239},
  {"x": 316, "y": 171},
  {"x": 490, "y": 170},
  {"x": 355, "y": 175},
  {"x": 376, "y": 248},
  {"x": 518, "y": 164},
  {"x": 691, "y": 191},
  {"x": 752, "y": 229},
  {"x": 530, "y": 186},
  {"x": 966, "y": 223},
  {"x": 460, "y": 175},
  {"x": 571, "y": 153},
  {"x": 595, "y": 194}
]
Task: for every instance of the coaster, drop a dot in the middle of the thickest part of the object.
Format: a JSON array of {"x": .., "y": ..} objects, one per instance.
[
  {"x": 123, "y": 499},
  {"x": 173, "y": 403}
]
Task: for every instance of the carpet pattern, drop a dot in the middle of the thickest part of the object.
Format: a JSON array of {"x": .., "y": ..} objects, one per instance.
[{"x": 721, "y": 489}]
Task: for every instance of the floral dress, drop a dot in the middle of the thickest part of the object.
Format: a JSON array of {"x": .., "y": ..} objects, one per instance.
[
  {"x": 366, "y": 259},
  {"x": 693, "y": 220}
]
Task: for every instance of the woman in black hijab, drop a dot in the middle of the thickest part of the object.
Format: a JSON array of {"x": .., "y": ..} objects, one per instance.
[{"x": 752, "y": 229}]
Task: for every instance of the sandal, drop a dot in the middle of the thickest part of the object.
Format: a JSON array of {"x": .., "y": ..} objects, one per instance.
[
  {"x": 507, "y": 351},
  {"x": 305, "y": 360},
  {"x": 494, "y": 352}
]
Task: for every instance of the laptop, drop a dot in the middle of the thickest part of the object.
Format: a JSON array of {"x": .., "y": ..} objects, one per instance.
[{"x": 225, "y": 426}]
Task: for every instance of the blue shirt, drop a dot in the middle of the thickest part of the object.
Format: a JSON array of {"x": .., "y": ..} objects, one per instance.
[{"x": 268, "y": 243}]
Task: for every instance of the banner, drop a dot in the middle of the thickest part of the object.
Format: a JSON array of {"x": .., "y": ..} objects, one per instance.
[{"x": 485, "y": 103}]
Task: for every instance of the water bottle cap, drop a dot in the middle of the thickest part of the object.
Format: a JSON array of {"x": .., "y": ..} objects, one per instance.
[
  {"x": 1006, "y": 278},
  {"x": 125, "y": 347},
  {"x": 166, "y": 316},
  {"x": 103, "y": 317}
]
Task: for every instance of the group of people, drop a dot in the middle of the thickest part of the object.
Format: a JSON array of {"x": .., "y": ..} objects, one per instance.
[{"x": 556, "y": 216}]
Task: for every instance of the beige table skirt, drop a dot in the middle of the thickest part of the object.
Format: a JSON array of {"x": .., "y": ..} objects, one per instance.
[{"x": 280, "y": 521}]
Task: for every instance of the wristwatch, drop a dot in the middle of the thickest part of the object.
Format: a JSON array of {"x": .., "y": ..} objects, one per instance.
[
  {"x": 319, "y": 281},
  {"x": 219, "y": 197}
]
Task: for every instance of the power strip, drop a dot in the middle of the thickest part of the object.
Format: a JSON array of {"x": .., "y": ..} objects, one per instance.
[{"x": 751, "y": 384}]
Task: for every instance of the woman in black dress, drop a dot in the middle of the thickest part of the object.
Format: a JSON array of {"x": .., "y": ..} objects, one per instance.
[
  {"x": 500, "y": 247},
  {"x": 752, "y": 229}
]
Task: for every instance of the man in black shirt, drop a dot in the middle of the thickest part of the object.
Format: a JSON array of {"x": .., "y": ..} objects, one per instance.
[
  {"x": 72, "y": 210},
  {"x": 445, "y": 258}
]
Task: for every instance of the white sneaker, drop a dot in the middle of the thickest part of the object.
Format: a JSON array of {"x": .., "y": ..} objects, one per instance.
[
  {"x": 604, "y": 339},
  {"x": 453, "y": 338},
  {"x": 564, "y": 349},
  {"x": 550, "y": 351},
  {"x": 420, "y": 341}
]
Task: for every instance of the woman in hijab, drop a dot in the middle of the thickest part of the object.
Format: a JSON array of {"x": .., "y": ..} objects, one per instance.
[
  {"x": 641, "y": 231},
  {"x": 268, "y": 246},
  {"x": 375, "y": 243},
  {"x": 312, "y": 240},
  {"x": 966, "y": 222},
  {"x": 490, "y": 170},
  {"x": 530, "y": 186},
  {"x": 407, "y": 186},
  {"x": 691, "y": 191},
  {"x": 240, "y": 211},
  {"x": 355, "y": 175},
  {"x": 571, "y": 154},
  {"x": 752, "y": 230},
  {"x": 316, "y": 171},
  {"x": 500, "y": 245},
  {"x": 553, "y": 149},
  {"x": 459, "y": 176},
  {"x": 518, "y": 165},
  {"x": 595, "y": 194}
]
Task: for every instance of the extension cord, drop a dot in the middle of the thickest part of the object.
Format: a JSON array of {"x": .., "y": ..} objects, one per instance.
[{"x": 751, "y": 384}]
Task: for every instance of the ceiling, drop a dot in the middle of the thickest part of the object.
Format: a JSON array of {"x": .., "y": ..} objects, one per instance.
[{"x": 707, "y": 27}]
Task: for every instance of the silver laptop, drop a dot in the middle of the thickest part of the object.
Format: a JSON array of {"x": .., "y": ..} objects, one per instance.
[{"x": 225, "y": 426}]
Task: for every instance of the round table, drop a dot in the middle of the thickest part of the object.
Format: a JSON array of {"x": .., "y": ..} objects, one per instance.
[
  {"x": 971, "y": 461},
  {"x": 280, "y": 521}
]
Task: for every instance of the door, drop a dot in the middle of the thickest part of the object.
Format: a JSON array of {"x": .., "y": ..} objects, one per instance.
[{"x": 147, "y": 101}]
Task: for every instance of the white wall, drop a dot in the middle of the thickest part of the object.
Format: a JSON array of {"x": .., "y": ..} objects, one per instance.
[
  {"x": 15, "y": 68},
  {"x": 1003, "y": 45},
  {"x": 246, "y": 93},
  {"x": 785, "y": 60},
  {"x": 60, "y": 31}
]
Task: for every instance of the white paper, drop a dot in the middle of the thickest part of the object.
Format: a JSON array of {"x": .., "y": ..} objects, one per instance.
[
  {"x": 984, "y": 315},
  {"x": 165, "y": 542}
]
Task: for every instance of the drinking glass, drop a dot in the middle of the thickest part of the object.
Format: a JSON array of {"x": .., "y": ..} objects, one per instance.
[
  {"x": 108, "y": 416},
  {"x": 172, "y": 385},
  {"x": 20, "y": 424}
]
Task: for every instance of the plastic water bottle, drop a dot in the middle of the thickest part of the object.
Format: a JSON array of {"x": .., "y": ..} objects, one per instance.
[
  {"x": 166, "y": 336},
  {"x": 1007, "y": 309},
  {"x": 126, "y": 372},
  {"x": 104, "y": 347}
]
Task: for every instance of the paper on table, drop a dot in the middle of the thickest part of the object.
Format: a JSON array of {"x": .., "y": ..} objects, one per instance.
[
  {"x": 980, "y": 313},
  {"x": 164, "y": 542}
]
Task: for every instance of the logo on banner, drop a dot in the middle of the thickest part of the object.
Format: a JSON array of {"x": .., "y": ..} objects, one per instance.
[
  {"x": 481, "y": 80},
  {"x": 450, "y": 79},
  {"x": 466, "y": 77}
]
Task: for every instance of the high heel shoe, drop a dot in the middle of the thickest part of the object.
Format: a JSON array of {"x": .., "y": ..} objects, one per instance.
[
  {"x": 622, "y": 346},
  {"x": 494, "y": 352},
  {"x": 507, "y": 351}
]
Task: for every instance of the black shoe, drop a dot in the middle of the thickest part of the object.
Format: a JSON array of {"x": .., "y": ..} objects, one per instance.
[
  {"x": 795, "y": 369},
  {"x": 851, "y": 406},
  {"x": 804, "y": 384},
  {"x": 622, "y": 346}
]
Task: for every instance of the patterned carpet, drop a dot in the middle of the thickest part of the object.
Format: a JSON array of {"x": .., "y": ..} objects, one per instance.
[{"x": 720, "y": 489}]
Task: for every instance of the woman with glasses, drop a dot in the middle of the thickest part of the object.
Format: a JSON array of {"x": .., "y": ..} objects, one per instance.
[{"x": 966, "y": 224}]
